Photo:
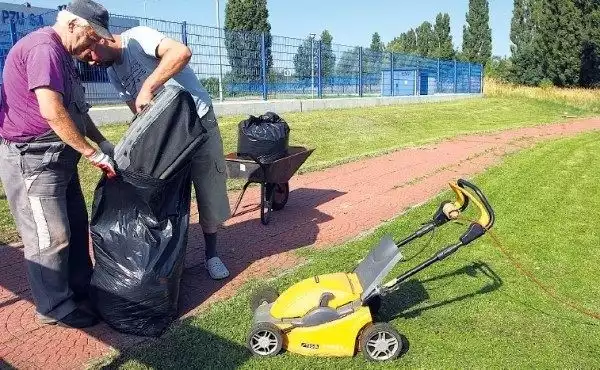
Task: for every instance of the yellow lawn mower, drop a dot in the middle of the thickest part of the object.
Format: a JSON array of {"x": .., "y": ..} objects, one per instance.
[{"x": 332, "y": 314}]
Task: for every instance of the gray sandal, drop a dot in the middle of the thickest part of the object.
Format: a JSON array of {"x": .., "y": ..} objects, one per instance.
[{"x": 216, "y": 268}]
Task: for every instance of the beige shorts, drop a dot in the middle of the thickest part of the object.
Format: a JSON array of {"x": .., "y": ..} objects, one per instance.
[{"x": 209, "y": 176}]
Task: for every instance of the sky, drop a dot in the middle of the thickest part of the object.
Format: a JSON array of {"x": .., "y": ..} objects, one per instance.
[{"x": 350, "y": 22}]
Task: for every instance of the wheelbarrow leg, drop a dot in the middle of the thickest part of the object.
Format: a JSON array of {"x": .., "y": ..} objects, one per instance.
[
  {"x": 265, "y": 217},
  {"x": 239, "y": 200}
]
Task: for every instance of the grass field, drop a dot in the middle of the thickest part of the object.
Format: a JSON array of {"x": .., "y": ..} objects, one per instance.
[
  {"x": 473, "y": 310},
  {"x": 348, "y": 134}
]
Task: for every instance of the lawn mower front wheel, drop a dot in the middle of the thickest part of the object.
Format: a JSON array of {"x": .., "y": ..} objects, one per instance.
[
  {"x": 265, "y": 339},
  {"x": 381, "y": 342}
]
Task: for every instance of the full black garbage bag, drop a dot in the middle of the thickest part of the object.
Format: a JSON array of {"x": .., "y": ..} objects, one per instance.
[
  {"x": 139, "y": 223},
  {"x": 265, "y": 137},
  {"x": 139, "y": 231}
]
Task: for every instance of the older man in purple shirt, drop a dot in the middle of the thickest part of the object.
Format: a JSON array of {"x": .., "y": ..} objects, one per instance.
[{"x": 43, "y": 129}]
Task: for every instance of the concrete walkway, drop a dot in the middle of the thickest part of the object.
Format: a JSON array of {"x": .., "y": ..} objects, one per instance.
[{"x": 325, "y": 208}]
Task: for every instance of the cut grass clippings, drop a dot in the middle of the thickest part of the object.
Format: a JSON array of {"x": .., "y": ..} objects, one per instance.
[
  {"x": 344, "y": 135},
  {"x": 472, "y": 310}
]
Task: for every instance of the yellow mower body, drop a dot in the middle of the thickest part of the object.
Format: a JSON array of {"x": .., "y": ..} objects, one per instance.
[
  {"x": 334, "y": 338},
  {"x": 301, "y": 297}
]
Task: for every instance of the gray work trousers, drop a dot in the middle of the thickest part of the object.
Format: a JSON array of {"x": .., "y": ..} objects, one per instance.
[{"x": 42, "y": 187}]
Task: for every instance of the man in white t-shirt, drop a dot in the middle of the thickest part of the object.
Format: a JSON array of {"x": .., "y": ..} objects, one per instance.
[{"x": 140, "y": 61}]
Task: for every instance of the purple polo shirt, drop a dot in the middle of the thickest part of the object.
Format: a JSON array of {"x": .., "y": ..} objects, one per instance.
[{"x": 37, "y": 60}]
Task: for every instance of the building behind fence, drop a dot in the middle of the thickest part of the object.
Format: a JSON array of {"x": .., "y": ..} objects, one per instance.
[{"x": 246, "y": 65}]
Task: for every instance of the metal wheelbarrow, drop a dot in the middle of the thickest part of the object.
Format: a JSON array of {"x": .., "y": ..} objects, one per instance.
[{"x": 273, "y": 177}]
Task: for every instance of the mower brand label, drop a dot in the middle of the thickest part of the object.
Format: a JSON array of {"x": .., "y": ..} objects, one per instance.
[{"x": 310, "y": 346}]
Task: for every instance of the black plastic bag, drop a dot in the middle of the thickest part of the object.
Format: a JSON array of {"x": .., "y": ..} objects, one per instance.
[
  {"x": 139, "y": 230},
  {"x": 140, "y": 220},
  {"x": 265, "y": 137},
  {"x": 163, "y": 137}
]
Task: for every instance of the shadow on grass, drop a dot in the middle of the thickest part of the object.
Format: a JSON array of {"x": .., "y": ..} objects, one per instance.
[
  {"x": 185, "y": 347},
  {"x": 412, "y": 293}
]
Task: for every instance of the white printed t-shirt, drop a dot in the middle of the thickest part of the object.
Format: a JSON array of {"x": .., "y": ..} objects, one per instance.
[{"x": 139, "y": 60}]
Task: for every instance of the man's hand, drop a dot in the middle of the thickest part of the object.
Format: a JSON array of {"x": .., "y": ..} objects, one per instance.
[
  {"x": 107, "y": 148},
  {"x": 143, "y": 99},
  {"x": 103, "y": 162}
]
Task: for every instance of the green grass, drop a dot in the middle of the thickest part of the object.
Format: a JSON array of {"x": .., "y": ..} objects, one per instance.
[
  {"x": 344, "y": 135},
  {"x": 474, "y": 309}
]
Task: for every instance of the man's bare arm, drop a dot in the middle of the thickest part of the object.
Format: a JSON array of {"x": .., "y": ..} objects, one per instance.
[
  {"x": 52, "y": 109},
  {"x": 174, "y": 56}
]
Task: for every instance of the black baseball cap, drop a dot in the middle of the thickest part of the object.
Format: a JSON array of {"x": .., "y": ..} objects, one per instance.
[{"x": 94, "y": 13}]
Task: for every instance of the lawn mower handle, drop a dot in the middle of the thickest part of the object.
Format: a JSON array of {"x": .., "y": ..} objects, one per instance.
[
  {"x": 475, "y": 230},
  {"x": 487, "y": 217}
]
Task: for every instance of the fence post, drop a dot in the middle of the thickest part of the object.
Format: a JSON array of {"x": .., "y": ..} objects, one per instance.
[
  {"x": 455, "y": 78},
  {"x": 360, "y": 71},
  {"x": 438, "y": 83},
  {"x": 319, "y": 70},
  {"x": 481, "y": 77},
  {"x": 184, "y": 33},
  {"x": 219, "y": 40},
  {"x": 263, "y": 65},
  {"x": 13, "y": 33},
  {"x": 469, "y": 78},
  {"x": 417, "y": 90},
  {"x": 391, "y": 74}
]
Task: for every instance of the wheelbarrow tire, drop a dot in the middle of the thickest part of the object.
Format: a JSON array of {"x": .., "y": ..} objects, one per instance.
[{"x": 281, "y": 195}]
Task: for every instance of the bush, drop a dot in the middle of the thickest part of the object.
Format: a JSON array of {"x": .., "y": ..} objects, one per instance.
[{"x": 546, "y": 83}]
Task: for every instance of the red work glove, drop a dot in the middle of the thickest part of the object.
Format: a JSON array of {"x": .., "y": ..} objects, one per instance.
[{"x": 103, "y": 162}]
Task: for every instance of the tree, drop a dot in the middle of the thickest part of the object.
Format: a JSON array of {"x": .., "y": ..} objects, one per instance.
[
  {"x": 373, "y": 56},
  {"x": 303, "y": 57},
  {"x": 426, "y": 43},
  {"x": 559, "y": 41},
  {"x": 477, "y": 34},
  {"x": 526, "y": 66},
  {"x": 327, "y": 55},
  {"x": 444, "y": 49},
  {"x": 498, "y": 67},
  {"x": 245, "y": 20},
  {"x": 376, "y": 44},
  {"x": 348, "y": 63},
  {"x": 590, "y": 53},
  {"x": 406, "y": 43}
]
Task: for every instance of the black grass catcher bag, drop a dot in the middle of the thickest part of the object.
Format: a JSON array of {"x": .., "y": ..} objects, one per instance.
[
  {"x": 139, "y": 224},
  {"x": 265, "y": 137}
]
